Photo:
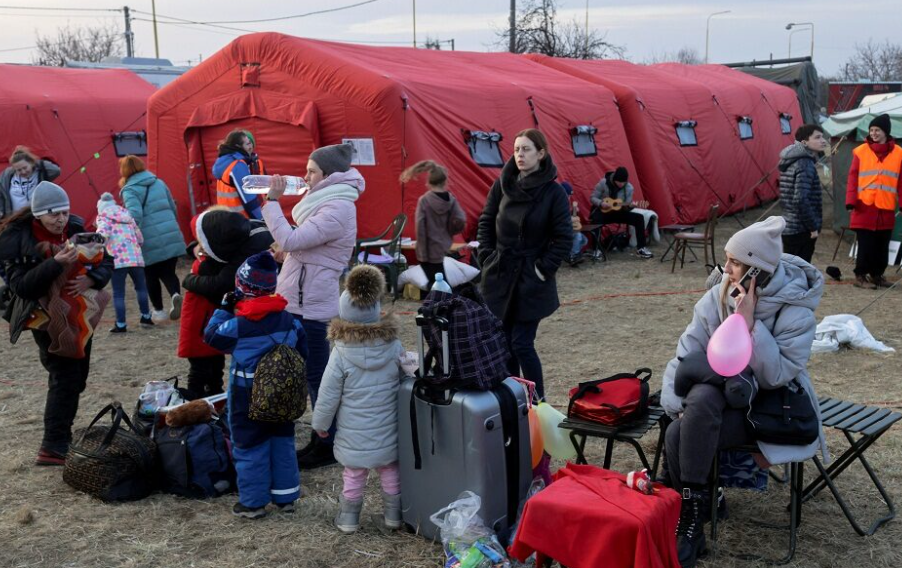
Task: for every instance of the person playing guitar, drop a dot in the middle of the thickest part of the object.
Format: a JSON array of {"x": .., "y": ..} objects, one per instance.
[{"x": 612, "y": 202}]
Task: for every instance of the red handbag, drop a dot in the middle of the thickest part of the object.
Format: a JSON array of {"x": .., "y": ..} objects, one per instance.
[{"x": 612, "y": 401}]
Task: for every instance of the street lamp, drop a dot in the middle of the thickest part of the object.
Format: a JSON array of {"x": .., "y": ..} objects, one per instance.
[
  {"x": 708, "y": 31},
  {"x": 792, "y": 33},
  {"x": 791, "y": 25}
]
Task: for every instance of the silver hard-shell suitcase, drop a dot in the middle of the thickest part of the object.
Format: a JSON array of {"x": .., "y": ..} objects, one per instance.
[{"x": 465, "y": 442}]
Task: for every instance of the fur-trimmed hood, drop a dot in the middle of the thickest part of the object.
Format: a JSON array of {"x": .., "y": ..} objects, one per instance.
[{"x": 350, "y": 333}]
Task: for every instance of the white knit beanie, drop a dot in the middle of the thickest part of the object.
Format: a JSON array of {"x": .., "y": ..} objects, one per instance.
[
  {"x": 106, "y": 202},
  {"x": 759, "y": 245}
]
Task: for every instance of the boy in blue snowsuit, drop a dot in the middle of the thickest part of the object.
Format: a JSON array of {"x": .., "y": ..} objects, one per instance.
[{"x": 250, "y": 323}]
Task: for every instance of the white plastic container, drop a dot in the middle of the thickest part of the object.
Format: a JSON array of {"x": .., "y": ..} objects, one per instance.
[{"x": 259, "y": 184}]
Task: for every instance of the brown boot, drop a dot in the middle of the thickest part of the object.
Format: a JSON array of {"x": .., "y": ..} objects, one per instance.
[
  {"x": 862, "y": 281},
  {"x": 881, "y": 282}
]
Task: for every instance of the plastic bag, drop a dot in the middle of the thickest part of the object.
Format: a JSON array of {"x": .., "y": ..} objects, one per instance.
[
  {"x": 468, "y": 543},
  {"x": 557, "y": 443}
]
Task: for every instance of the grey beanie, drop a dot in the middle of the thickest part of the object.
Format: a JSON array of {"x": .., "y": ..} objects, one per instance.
[
  {"x": 335, "y": 158},
  {"x": 106, "y": 202},
  {"x": 361, "y": 300},
  {"x": 48, "y": 198},
  {"x": 759, "y": 245}
]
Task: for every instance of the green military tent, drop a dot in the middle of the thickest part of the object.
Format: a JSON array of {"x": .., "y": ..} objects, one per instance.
[{"x": 846, "y": 131}]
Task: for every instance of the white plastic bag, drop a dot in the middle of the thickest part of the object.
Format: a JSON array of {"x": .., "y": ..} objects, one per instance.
[
  {"x": 845, "y": 328},
  {"x": 465, "y": 538}
]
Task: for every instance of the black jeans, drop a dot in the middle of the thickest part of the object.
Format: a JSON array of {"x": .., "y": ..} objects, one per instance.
[
  {"x": 205, "y": 375},
  {"x": 164, "y": 272},
  {"x": 707, "y": 426},
  {"x": 873, "y": 252},
  {"x": 635, "y": 220},
  {"x": 430, "y": 269},
  {"x": 801, "y": 245},
  {"x": 521, "y": 340},
  {"x": 68, "y": 378}
]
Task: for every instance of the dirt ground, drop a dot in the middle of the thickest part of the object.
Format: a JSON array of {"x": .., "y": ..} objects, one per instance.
[{"x": 606, "y": 325}]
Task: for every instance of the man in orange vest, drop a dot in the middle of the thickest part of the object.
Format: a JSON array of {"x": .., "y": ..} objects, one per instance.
[
  {"x": 872, "y": 195},
  {"x": 237, "y": 160}
]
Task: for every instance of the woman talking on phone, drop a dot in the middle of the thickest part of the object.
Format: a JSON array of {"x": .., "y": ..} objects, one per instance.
[{"x": 777, "y": 305}]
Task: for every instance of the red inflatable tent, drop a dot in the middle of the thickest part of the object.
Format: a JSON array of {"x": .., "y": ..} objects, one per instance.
[
  {"x": 77, "y": 118},
  {"x": 399, "y": 105}
]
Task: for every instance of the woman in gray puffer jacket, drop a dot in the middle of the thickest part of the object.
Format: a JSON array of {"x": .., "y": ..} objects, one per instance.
[
  {"x": 360, "y": 386},
  {"x": 780, "y": 317}
]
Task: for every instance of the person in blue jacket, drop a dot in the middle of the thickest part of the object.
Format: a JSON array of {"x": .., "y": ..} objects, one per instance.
[
  {"x": 236, "y": 160},
  {"x": 250, "y": 323}
]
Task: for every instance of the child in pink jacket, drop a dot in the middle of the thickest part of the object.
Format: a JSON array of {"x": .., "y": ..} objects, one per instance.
[{"x": 124, "y": 242}]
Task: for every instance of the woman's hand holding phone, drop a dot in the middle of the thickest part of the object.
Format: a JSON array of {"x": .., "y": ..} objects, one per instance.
[{"x": 745, "y": 302}]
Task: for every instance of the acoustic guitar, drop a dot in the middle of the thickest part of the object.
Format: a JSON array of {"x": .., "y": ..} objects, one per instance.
[{"x": 610, "y": 204}]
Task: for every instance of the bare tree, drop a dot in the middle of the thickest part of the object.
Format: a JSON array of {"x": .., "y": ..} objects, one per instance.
[
  {"x": 78, "y": 44},
  {"x": 874, "y": 62},
  {"x": 539, "y": 31},
  {"x": 685, "y": 55}
]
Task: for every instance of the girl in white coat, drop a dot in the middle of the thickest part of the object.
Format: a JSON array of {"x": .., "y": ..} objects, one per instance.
[{"x": 360, "y": 387}]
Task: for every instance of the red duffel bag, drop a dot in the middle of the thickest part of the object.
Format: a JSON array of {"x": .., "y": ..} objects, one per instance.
[{"x": 612, "y": 401}]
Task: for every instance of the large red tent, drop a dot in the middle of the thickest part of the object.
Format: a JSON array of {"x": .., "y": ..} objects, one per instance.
[
  {"x": 406, "y": 104},
  {"x": 76, "y": 118}
]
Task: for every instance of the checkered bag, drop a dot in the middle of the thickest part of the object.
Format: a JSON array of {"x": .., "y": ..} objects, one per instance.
[{"x": 477, "y": 347}]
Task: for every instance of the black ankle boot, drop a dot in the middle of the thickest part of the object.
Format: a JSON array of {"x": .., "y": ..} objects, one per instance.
[{"x": 690, "y": 531}]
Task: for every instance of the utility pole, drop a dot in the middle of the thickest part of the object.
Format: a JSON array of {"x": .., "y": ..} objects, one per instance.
[
  {"x": 452, "y": 44},
  {"x": 587, "y": 30},
  {"x": 129, "y": 34},
  {"x": 156, "y": 39},
  {"x": 414, "y": 24},
  {"x": 513, "y": 23}
]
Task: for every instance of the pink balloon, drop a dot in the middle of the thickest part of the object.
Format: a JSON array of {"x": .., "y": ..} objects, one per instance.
[{"x": 730, "y": 348}]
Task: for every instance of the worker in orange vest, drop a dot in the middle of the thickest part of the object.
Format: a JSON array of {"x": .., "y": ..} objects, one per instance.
[
  {"x": 872, "y": 196},
  {"x": 237, "y": 159}
]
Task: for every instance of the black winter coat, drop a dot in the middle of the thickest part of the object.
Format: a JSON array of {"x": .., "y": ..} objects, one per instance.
[
  {"x": 800, "y": 190},
  {"x": 232, "y": 238},
  {"x": 524, "y": 227},
  {"x": 30, "y": 275}
]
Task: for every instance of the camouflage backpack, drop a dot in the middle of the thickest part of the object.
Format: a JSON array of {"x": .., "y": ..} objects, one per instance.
[{"x": 279, "y": 391}]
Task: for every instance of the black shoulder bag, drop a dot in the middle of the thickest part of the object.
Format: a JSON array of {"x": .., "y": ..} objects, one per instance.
[{"x": 783, "y": 416}]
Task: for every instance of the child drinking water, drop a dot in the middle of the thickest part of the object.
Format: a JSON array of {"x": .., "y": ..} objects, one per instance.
[
  {"x": 251, "y": 321},
  {"x": 360, "y": 386}
]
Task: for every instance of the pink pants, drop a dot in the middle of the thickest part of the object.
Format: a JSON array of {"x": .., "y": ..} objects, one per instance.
[{"x": 355, "y": 480}]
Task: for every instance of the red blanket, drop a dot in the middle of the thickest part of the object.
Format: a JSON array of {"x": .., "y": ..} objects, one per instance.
[
  {"x": 74, "y": 318},
  {"x": 589, "y": 518}
]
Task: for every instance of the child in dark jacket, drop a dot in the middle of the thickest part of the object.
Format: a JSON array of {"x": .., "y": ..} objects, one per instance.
[
  {"x": 251, "y": 321},
  {"x": 439, "y": 217}
]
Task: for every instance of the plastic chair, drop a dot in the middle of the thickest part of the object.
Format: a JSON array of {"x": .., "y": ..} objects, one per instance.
[
  {"x": 393, "y": 262},
  {"x": 684, "y": 241}
]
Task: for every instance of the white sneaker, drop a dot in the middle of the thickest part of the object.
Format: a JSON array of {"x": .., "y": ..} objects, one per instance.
[
  {"x": 159, "y": 315},
  {"x": 644, "y": 253},
  {"x": 176, "y": 310}
]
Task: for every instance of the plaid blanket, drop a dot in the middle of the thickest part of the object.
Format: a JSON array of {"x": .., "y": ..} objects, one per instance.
[
  {"x": 72, "y": 319},
  {"x": 477, "y": 345}
]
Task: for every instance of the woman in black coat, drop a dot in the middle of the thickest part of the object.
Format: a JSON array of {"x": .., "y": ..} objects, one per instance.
[
  {"x": 31, "y": 274},
  {"x": 524, "y": 234}
]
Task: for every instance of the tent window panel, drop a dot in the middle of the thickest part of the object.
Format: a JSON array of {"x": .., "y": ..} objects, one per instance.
[
  {"x": 685, "y": 130},
  {"x": 484, "y": 148},
  {"x": 745, "y": 128},
  {"x": 583, "y": 139},
  {"x": 785, "y": 123},
  {"x": 134, "y": 143}
]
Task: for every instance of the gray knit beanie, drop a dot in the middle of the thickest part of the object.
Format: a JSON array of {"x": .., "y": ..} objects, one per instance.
[
  {"x": 48, "y": 198},
  {"x": 335, "y": 158},
  {"x": 361, "y": 300},
  {"x": 759, "y": 245}
]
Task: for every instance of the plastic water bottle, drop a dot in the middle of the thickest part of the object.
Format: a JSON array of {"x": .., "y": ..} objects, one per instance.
[
  {"x": 258, "y": 184},
  {"x": 440, "y": 284}
]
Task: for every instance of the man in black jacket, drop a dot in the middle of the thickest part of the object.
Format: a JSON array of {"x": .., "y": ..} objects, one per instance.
[{"x": 800, "y": 191}]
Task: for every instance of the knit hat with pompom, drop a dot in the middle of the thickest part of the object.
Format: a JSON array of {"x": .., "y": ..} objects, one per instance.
[{"x": 361, "y": 300}]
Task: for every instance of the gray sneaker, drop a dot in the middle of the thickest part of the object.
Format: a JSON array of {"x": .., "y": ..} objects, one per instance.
[
  {"x": 348, "y": 518},
  {"x": 175, "y": 312}
]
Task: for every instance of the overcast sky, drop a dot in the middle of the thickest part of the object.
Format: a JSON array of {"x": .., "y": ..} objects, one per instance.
[{"x": 755, "y": 29}]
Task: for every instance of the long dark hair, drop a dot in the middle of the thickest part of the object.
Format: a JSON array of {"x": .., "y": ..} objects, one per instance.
[
  {"x": 18, "y": 216},
  {"x": 438, "y": 175},
  {"x": 537, "y": 138},
  {"x": 232, "y": 141}
]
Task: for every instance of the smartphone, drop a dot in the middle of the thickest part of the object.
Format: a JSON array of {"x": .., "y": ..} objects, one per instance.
[
  {"x": 746, "y": 281},
  {"x": 87, "y": 238}
]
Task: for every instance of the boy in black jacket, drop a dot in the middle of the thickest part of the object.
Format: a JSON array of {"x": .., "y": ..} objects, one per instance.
[{"x": 800, "y": 191}]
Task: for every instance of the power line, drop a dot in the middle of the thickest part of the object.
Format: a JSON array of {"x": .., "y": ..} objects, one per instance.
[
  {"x": 192, "y": 27},
  {"x": 45, "y": 9},
  {"x": 18, "y": 48},
  {"x": 315, "y": 13},
  {"x": 183, "y": 21}
]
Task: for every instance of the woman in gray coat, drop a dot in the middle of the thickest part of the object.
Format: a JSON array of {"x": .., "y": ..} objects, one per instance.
[{"x": 708, "y": 413}]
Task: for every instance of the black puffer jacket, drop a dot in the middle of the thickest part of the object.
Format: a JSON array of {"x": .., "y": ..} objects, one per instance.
[
  {"x": 30, "y": 275},
  {"x": 230, "y": 238},
  {"x": 800, "y": 190},
  {"x": 524, "y": 227}
]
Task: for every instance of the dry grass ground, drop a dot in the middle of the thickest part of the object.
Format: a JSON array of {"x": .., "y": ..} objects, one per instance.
[{"x": 597, "y": 332}]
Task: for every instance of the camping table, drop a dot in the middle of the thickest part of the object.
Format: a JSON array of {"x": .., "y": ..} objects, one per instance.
[
  {"x": 455, "y": 247},
  {"x": 594, "y": 229},
  {"x": 630, "y": 433},
  {"x": 672, "y": 230}
]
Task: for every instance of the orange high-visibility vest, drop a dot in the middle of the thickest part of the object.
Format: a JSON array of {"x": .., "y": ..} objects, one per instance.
[
  {"x": 878, "y": 181},
  {"x": 226, "y": 192}
]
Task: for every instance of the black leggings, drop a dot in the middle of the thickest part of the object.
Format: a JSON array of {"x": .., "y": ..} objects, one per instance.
[
  {"x": 873, "y": 252},
  {"x": 707, "y": 425},
  {"x": 164, "y": 272},
  {"x": 430, "y": 269}
]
